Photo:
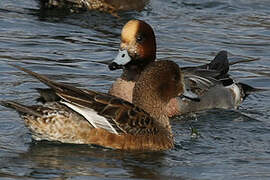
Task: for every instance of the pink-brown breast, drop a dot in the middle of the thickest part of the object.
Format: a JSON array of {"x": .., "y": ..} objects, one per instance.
[{"x": 122, "y": 89}]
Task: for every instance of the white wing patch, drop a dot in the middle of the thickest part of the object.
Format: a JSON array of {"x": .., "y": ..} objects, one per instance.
[{"x": 92, "y": 117}]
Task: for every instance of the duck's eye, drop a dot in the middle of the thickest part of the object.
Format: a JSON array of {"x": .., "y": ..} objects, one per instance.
[
  {"x": 175, "y": 78},
  {"x": 139, "y": 38}
]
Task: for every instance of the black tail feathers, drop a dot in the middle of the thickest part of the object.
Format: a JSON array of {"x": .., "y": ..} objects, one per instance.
[
  {"x": 220, "y": 62},
  {"x": 247, "y": 89}
]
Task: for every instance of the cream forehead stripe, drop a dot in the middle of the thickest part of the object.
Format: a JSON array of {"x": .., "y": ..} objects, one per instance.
[
  {"x": 130, "y": 30},
  {"x": 128, "y": 37}
]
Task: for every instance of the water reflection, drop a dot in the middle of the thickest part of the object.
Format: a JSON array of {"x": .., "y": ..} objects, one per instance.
[{"x": 82, "y": 160}]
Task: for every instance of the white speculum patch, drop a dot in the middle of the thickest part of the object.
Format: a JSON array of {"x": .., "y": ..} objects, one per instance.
[
  {"x": 122, "y": 57},
  {"x": 92, "y": 117}
]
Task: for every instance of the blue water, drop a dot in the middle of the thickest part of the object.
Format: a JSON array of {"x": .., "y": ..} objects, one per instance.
[{"x": 75, "y": 48}]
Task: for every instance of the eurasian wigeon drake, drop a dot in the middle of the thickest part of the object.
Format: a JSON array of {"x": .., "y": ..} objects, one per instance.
[
  {"x": 108, "y": 6},
  {"x": 210, "y": 81},
  {"x": 88, "y": 117}
]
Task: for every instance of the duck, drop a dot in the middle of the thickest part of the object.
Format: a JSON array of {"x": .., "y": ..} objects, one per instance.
[
  {"x": 210, "y": 82},
  {"x": 107, "y": 6},
  {"x": 83, "y": 116}
]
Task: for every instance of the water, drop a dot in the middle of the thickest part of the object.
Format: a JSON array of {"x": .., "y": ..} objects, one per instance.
[{"x": 74, "y": 48}]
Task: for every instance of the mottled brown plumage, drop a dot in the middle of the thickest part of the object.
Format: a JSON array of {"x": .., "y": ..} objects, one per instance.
[{"x": 139, "y": 126}]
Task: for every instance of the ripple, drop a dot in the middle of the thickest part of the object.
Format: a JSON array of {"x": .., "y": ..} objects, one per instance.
[{"x": 76, "y": 47}]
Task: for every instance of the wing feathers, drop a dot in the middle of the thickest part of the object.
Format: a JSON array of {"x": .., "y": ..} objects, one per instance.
[
  {"x": 102, "y": 110},
  {"x": 92, "y": 117}
]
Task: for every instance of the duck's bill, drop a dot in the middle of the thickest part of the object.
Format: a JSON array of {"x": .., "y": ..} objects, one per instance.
[
  {"x": 190, "y": 95},
  {"x": 120, "y": 61},
  {"x": 114, "y": 66}
]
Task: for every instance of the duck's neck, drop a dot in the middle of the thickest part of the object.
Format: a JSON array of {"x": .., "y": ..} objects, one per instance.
[{"x": 132, "y": 72}]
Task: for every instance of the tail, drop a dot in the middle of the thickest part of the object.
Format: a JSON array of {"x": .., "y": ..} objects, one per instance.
[
  {"x": 59, "y": 88},
  {"x": 244, "y": 61},
  {"x": 220, "y": 62},
  {"x": 22, "y": 109},
  {"x": 247, "y": 89}
]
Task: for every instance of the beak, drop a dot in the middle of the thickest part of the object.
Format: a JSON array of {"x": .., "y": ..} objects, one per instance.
[
  {"x": 190, "y": 95},
  {"x": 120, "y": 61},
  {"x": 113, "y": 66}
]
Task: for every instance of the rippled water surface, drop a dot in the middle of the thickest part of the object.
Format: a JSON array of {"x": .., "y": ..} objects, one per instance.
[{"x": 75, "y": 48}]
